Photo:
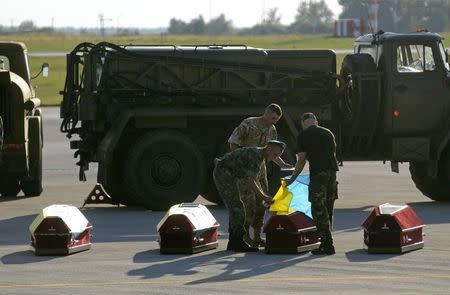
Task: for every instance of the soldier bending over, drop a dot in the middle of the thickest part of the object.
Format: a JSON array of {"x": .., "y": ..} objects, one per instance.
[{"x": 243, "y": 164}]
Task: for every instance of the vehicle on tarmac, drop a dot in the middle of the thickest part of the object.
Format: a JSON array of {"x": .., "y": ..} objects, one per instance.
[
  {"x": 155, "y": 117},
  {"x": 20, "y": 124}
]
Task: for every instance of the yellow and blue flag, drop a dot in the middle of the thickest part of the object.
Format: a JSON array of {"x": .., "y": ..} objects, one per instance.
[{"x": 292, "y": 198}]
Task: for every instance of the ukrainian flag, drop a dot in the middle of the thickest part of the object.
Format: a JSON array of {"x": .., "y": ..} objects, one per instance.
[{"x": 292, "y": 198}]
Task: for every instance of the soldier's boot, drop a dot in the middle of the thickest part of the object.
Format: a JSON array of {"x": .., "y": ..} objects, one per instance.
[
  {"x": 236, "y": 243},
  {"x": 247, "y": 238},
  {"x": 324, "y": 249},
  {"x": 258, "y": 241}
]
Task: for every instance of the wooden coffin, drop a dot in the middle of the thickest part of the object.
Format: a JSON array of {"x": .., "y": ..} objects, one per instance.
[
  {"x": 291, "y": 233},
  {"x": 187, "y": 228},
  {"x": 393, "y": 229},
  {"x": 60, "y": 230}
]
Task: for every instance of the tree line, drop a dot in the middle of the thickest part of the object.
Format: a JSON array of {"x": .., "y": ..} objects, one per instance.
[{"x": 315, "y": 17}]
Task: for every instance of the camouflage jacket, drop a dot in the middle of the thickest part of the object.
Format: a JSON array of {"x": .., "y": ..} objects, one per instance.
[
  {"x": 252, "y": 133},
  {"x": 242, "y": 163}
]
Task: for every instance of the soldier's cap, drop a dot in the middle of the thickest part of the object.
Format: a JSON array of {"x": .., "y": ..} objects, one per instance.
[
  {"x": 307, "y": 116},
  {"x": 277, "y": 142}
]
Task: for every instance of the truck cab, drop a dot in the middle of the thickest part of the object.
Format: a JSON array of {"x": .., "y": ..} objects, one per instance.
[
  {"x": 413, "y": 104},
  {"x": 21, "y": 130}
]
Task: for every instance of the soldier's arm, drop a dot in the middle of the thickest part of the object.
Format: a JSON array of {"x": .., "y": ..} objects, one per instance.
[
  {"x": 279, "y": 161},
  {"x": 259, "y": 191},
  {"x": 301, "y": 161},
  {"x": 237, "y": 137},
  {"x": 233, "y": 146}
]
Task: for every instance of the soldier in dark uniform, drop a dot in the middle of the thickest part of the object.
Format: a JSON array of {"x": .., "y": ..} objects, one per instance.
[
  {"x": 239, "y": 165},
  {"x": 317, "y": 145}
]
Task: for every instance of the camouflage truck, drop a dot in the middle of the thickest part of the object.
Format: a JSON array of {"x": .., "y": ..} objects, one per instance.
[
  {"x": 155, "y": 117},
  {"x": 20, "y": 124}
]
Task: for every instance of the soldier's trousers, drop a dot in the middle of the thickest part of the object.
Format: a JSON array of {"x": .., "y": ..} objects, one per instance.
[
  {"x": 322, "y": 194},
  {"x": 228, "y": 190},
  {"x": 253, "y": 205}
]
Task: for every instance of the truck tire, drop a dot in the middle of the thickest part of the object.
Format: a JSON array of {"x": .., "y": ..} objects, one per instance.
[
  {"x": 164, "y": 168},
  {"x": 32, "y": 186},
  {"x": 437, "y": 189},
  {"x": 9, "y": 187},
  {"x": 352, "y": 103}
]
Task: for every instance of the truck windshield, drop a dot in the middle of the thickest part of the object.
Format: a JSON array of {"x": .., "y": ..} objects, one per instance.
[
  {"x": 414, "y": 58},
  {"x": 444, "y": 56}
]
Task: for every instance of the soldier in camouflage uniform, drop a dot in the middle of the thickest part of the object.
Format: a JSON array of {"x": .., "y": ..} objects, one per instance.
[
  {"x": 317, "y": 145},
  {"x": 255, "y": 132},
  {"x": 238, "y": 166}
]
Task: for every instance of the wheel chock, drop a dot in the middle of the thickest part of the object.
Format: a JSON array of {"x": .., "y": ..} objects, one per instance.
[{"x": 98, "y": 195}]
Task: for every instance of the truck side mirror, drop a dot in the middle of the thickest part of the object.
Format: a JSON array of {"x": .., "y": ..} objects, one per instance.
[{"x": 45, "y": 69}]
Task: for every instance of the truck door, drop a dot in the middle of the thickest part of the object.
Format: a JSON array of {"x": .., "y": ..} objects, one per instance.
[{"x": 419, "y": 97}]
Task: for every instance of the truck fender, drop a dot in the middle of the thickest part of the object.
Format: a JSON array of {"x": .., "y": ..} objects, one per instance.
[{"x": 108, "y": 145}]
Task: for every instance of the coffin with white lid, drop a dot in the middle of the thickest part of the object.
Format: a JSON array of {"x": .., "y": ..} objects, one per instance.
[{"x": 60, "y": 230}]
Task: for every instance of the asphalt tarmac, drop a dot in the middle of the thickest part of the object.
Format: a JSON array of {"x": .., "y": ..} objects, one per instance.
[{"x": 125, "y": 258}]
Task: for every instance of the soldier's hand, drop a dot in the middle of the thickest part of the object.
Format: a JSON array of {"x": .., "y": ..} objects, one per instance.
[
  {"x": 287, "y": 166},
  {"x": 268, "y": 200},
  {"x": 288, "y": 181}
]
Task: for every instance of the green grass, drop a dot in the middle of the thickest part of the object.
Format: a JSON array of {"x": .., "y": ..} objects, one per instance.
[
  {"x": 64, "y": 42},
  {"x": 48, "y": 88}
]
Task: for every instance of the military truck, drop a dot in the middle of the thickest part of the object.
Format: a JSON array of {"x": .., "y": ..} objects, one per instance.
[
  {"x": 155, "y": 117},
  {"x": 21, "y": 124}
]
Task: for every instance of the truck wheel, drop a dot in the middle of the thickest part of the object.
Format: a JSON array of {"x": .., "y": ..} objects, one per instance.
[
  {"x": 438, "y": 188},
  {"x": 164, "y": 168},
  {"x": 9, "y": 187},
  {"x": 32, "y": 186}
]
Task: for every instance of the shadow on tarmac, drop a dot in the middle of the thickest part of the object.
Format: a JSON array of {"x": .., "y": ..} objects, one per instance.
[
  {"x": 361, "y": 255},
  {"x": 432, "y": 212},
  {"x": 234, "y": 267},
  {"x": 25, "y": 257},
  {"x": 14, "y": 198}
]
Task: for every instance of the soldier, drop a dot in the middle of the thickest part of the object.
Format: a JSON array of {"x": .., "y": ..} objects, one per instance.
[
  {"x": 255, "y": 132},
  {"x": 243, "y": 165},
  {"x": 317, "y": 145}
]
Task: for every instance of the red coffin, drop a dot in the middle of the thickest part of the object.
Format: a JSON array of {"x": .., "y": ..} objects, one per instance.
[
  {"x": 60, "y": 230},
  {"x": 187, "y": 228},
  {"x": 393, "y": 229},
  {"x": 53, "y": 237},
  {"x": 292, "y": 233}
]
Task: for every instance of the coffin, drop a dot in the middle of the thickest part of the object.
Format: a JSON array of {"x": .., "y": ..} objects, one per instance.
[
  {"x": 60, "y": 230},
  {"x": 392, "y": 229},
  {"x": 187, "y": 228},
  {"x": 291, "y": 233}
]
